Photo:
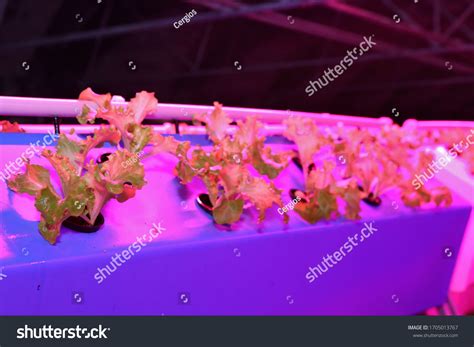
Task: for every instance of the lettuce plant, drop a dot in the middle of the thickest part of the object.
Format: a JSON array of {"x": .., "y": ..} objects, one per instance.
[
  {"x": 323, "y": 192},
  {"x": 457, "y": 143},
  {"x": 128, "y": 120},
  {"x": 226, "y": 168},
  {"x": 246, "y": 145},
  {"x": 412, "y": 197},
  {"x": 307, "y": 137},
  {"x": 85, "y": 187}
]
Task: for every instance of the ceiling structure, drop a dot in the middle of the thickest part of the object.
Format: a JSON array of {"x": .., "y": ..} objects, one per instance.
[{"x": 247, "y": 53}]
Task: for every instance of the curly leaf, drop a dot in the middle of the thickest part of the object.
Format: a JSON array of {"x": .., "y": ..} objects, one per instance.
[
  {"x": 121, "y": 168},
  {"x": 168, "y": 144},
  {"x": 201, "y": 159},
  {"x": 440, "y": 195},
  {"x": 109, "y": 180},
  {"x": 327, "y": 204},
  {"x": 269, "y": 164},
  {"x": 247, "y": 132},
  {"x": 307, "y": 137},
  {"x": 52, "y": 214},
  {"x": 217, "y": 123},
  {"x": 142, "y": 104},
  {"x": 415, "y": 198},
  {"x": 86, "y": 116},
  {"x": 262, "y": 194},
  {"x": 320, "y": 178},
  {"x": 352, "y": 196},
  {"x": 228, "y": 211},
  {"x": 232, "y": 177},
  {"x": 184, "y": 171},
  {"x": 8, "y": 127},
  {"x": 102, "y": 135},
  {"x": 309, "y": 211},
  {"x": 212, "y": 184},
  {"x": 72, "y": 150},
  {"x": 63, "y": 166},
  {"x": 141, "y": 136},
  {"x": 321, "y": 205},
  {"x": 80, "y": 195},
  {"x": 101, "y": 100},
  {"x": 32, "y": 181}
]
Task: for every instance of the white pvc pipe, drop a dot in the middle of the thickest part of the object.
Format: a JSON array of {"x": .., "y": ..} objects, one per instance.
[
  {"x": 438, "y": 124},
  {"x": 42, "y": 107},
  {"x": 166, "y": 128},
  {"x": 267, "y": 129}
]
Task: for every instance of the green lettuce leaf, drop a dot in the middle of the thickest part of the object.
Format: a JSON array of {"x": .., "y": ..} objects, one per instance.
[
  {"x": 108, "y": 179},
  {"x": 101, "y": 100},
  {"x": 48, "y": 203},
  {"x": 77, "y": 151},
  {"x": 306, "y": 135},
  {"x": 228, "y": 211},
  {"x": 142, "y": 104},
  {"x": 217, "y": 123},
  {"x": 262, "y": 194},
  {"x": 128, "y": 121},
  {"x": 141, "y": 136},
  {"x": 35, "y": 179},
  {"x": 63, "y": 166}
]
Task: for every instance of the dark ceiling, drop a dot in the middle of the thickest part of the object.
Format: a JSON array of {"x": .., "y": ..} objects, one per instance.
[{"x": 422, "y": 64}]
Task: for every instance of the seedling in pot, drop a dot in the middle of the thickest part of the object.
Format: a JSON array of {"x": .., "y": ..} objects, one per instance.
[
  {"x": 128, "y": 120},
  {"x": 225, "y": 168},
  {"x": 85, "y": 187},
  {"x": 319, "y": 200},
  {"x": 385, "y": 161}
]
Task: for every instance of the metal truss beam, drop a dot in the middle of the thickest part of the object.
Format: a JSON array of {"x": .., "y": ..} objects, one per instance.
[
  {"x": 300, "y": 64},
  {"x": 464, "y": 28},
  {"x": 455, "y": 26},
  {"x": 412, "y": 27},
  {"x": 328, "y": 32},
  {"x": 413, "y": 84},
  {"x": 153, "y": 24}
]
